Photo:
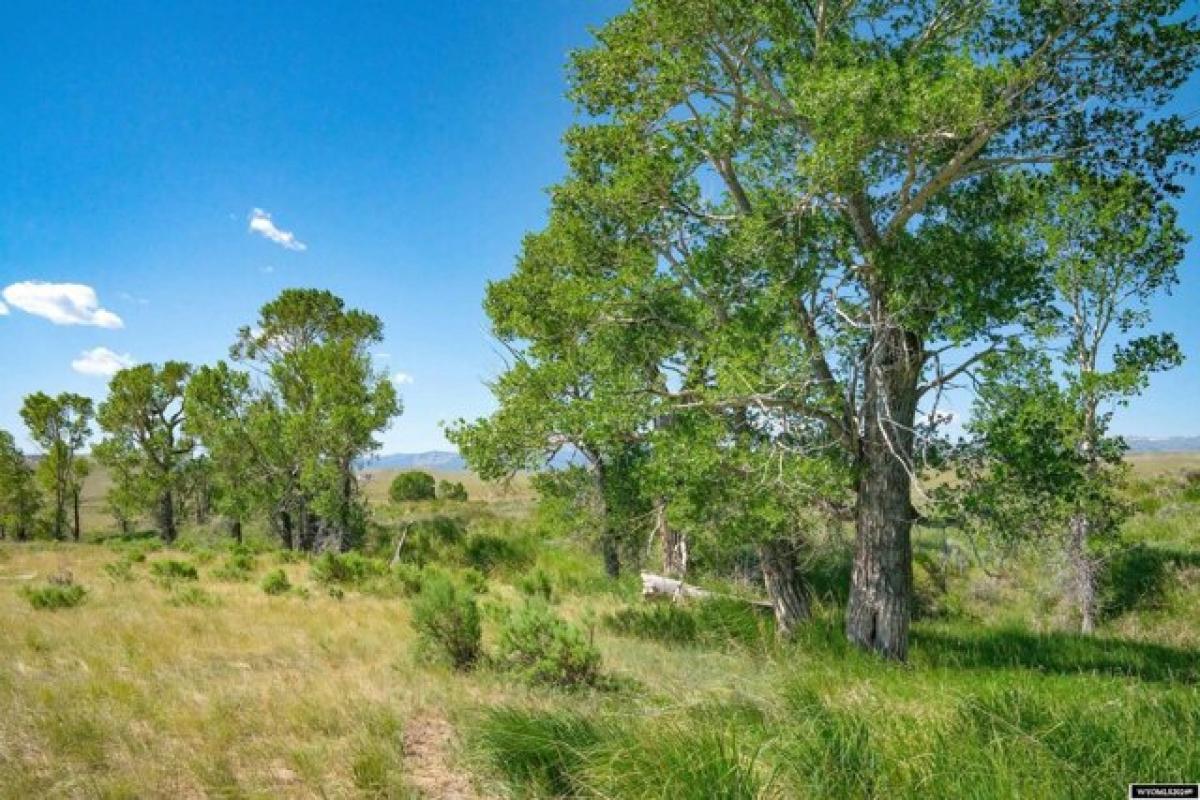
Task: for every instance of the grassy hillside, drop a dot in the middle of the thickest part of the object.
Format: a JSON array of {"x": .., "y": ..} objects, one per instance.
[{"x": 158, "y": 686}]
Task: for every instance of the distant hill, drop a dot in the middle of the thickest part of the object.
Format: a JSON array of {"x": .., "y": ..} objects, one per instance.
[
  {"x": 430, "y": 459},
  {"x": 449, "y": 461},
  {"x": 1163, "y": 444}
]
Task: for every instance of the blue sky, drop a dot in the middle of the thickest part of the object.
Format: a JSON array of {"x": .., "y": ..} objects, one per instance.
[{"x": 407, "y": 145}]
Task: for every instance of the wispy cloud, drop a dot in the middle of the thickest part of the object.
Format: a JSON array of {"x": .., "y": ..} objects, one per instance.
[
  {"x": 61, "y": 303},
  {"x": 3, "y": 309},
  {"x": 101, "y": 362},
  {"x": 260, "y": 223},
  {"x": 401, "y": 378},
  {"x": 132, "y": 298}
]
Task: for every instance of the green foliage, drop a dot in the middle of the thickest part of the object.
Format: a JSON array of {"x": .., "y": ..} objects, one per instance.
[
  {"x": 453, "y": 491},
  {"x": 54, "y": 596},
  {"x": 61, "y": 426},
  {"x": 144, "y": 446},
  {"x": 544, "y": 649},
  {"x": 170, "y": 569},
  {"x": 19, "y": 499},
  {"x": 347, "y": 569},
  {"x": 446, "y": 617},
  {"x": 539, "y": 752},
  {"x": 120, "y": 571},
  {"x": 536, "y": 584},
  {"x": 276, "y": 582},
  {"x": 411, "y": 487}
]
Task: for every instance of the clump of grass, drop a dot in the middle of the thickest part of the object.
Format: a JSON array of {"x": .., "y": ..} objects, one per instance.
[
  {"x": 54, "y": 596},
  {"x": 489, "y": 551},
  {"x": 545, "y": 649},
  {"x": 171, "y": 569},
  {"x": 120, "y": 571},
  {"x": 239, "y": 566},
  {"x": 192, "y": 596},
  {"x": 537, "y": 752},
  {"x": 537, "y": 584},
  {"x": 276, "y": 582},
  {"x": 446, "y": 617},
  {"x": 712, "y": 622}
]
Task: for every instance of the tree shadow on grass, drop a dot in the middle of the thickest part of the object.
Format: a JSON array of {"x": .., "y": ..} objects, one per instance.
[{"x": 1053, "y": 653}]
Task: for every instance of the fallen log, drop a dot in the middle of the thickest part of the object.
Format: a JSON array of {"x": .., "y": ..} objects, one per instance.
[{"x": 658, "y": 587}]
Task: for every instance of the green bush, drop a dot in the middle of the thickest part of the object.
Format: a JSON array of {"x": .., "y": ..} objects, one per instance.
[
  {"x": 170, "y": 569},
  {"x": 446, "y": 617},
  {"x": 276, "y": 582},
  {"x": 410, "y": 487},
  {"x": 54, "y": 596},
  {"x": 346, "y": 568},
  {"x": 544, "y": 649}
]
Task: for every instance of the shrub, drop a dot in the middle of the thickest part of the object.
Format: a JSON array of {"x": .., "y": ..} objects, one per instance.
[
  {"x": 346, "y": 568},
  {"x": 455, "y": 491},
  {"x": 545, "y": 649},
  {"x": 409, "y": 487},
  {"x": 409, "y": 577},
  {"x": 663, "y": 622},
  {"x": 446, "y": 618},
  {"x": 54, "y": 596},
  {"x": 276, "y": 582},
  {"x": 171, "y": 569},
  {"x": 536, "y": 584},
  {"x": 717, "y": 621}
]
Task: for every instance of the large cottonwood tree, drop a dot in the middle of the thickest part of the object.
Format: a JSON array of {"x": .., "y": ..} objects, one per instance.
[
  {"x": 851, "y": 177},
  {"x": 61, "y": 426}
]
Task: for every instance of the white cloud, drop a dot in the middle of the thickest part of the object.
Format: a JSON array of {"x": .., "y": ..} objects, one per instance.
[
  {"x": 401, "y": 378},
  {"x": 102, "y": 362},
  {"x": 3, "y": 309},
  {"x": 61, "y": 303},
  {"x": 260, "y": 223}
]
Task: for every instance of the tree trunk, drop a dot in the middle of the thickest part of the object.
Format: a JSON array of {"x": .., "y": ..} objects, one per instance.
[
  {"x": 75, "y": 500},
  {"x": 286, "y": 532},
  {"x": 674, "y": 543},
  {"x": 877, "y": 615},
  {"x": 610, "y": 547},
  {"x": 781, "y": 574},
  {"x": 235, "y": 530},
  {"x": 1083, "y": 569},
  {"x": 166, "y": 517}
]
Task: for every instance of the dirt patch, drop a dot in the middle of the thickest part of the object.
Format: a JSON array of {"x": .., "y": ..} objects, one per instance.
[{"x": 428, "y": 757}]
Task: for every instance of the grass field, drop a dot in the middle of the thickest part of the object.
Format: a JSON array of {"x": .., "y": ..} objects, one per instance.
[{"x": 171, "y": 687}]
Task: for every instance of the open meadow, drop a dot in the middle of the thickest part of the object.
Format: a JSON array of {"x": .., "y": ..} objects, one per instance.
[{"x": 159, "y": 684}]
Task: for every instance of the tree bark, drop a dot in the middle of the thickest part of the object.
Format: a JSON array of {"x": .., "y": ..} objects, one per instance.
[
  {"x": 1083, "y": 568},
  {"x": 75, "y": 500},
  {"x": 877, "y": 615},
  {"x": 781, "y": 574},
  {"x": 235, "y": 530},
  {"x": 610, "y": 547},
  {"x": 674, "y": 543},
  {"x": 167, "y": 530}
]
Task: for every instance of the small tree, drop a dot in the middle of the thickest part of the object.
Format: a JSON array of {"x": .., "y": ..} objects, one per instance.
[
  {"x": 19, "y": 500},
  {"x": 61, "y": 426},
  {"x": 143, "y": 420},
  {"x": 410, "y": 487}
]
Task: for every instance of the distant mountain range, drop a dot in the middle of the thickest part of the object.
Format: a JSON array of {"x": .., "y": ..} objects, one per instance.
[
  {"x": 430, "y": 459},
  {"x": 1163, "y": 444},
  {"x": 453, "y": 462}
]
